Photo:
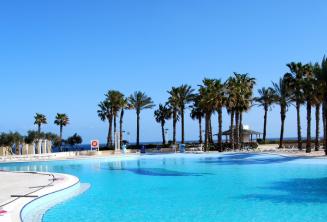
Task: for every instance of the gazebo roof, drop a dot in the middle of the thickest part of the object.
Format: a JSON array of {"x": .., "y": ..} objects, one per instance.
[{"x": 244, "y": 131}]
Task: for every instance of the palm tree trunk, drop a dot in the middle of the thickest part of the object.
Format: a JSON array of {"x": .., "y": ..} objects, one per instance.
[
  {"x": 299, "y": 134},
  {"x": 207, "y": 122},
  {"x": 210, "y": 131},
  {"x": 137, "y": 128},
  {"x": 121, "y": 126},
  {"x": 174, "y": 125},
  {"x": 308, "y": 145},
  {"x": 325, "y": 123},
  {"x": 231, "y": 136},
  {"x": 317, "y": 142},
  {"x": 163, "y": 133},
  {"x": 237, "y": 134},
  {"x": 241, "y": 130},
  {"x": 109, "y": 137},
  {"x": 60, "y": 135},
  {"x": 200, "y": 130},
  {"x": 182, "y": 118},
  {"x": 220, "y": 132},
  {"x": 39, "y": 129},
  {"x": 115, "y": 127},
  {"x": 265, "y": 124},
  {"x": 282, "y": 117}
]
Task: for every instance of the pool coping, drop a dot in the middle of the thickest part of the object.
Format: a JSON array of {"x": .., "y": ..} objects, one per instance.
[{"x": 15, "y": 208}]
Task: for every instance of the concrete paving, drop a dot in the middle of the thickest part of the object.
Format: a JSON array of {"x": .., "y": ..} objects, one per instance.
[{"x": 17, "y": 189}]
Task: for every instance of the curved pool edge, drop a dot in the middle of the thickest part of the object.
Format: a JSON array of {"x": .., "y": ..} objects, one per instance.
[
  {"x": 37, "y": 208},
  {"x": 58, "y": 183}
]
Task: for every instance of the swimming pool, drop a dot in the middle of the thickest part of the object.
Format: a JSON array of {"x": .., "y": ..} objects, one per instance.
[{"x": 187, "y": 187}]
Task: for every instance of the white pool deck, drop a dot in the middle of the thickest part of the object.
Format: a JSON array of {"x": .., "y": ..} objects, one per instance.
[{"x": 26, "y": 187}]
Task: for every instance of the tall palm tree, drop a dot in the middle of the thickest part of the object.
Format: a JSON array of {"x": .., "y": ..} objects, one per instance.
[
  {"x": 124, "y": 105},
  {"x": 139, "y": 101},
  {"x": 105, "y": 113},
  {"x": 296, "y": 76},
  {"x": 319, "y": 88},
  {"x": 322, "y": 77},
  {"x": 310, "y": 98},
  {"x": 282, "y": 98},
  {"x": 197, "y": 114},
  {"x": 162, "y": 114},
  {"x": 184, "y": 96},
  {"x": 265, "y": 99},
  {"x": 241, "y": 87},
  {"x": 116, "y": 99},
  {"x": 39, "y": 120},
  {"x": 230, "y": 103},
  {"x": 208, "y": 105},
  {"x": 61, "y": 120},
  {"x": 173, "y": 103}
]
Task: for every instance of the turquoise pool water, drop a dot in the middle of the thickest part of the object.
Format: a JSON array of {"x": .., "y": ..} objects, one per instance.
[{"x": 217, "y": 188}]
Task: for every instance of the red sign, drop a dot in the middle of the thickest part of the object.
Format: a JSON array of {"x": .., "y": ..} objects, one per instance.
[{"x": 95, "y": 144}]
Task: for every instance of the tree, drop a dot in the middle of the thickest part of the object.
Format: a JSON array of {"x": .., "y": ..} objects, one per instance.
[
  {"x": 294, "y": 80},
  {"x": 139, "y": 101},
  {"x": 162, "y": 114},
  {"x": 319, "y": 88},
  {"x": 74, "y": 140},
  {"x": 311, "y": 91},
  {"x": 197, "y": 114},
  {"x": 116, "y": 101},
  {"x": 39, "y": 120},
  {"x": 105, "y": 113},
  {"x": 124, "y": 105},
  {"x": 183, "y": 97},
  {"x": 240, "y": 86},
  {"x": 173, "y": 103},
  {"x": 61, "y": 120},
  {"x": 322, "y": 78},
  {"x": 282, "y": 98},
  {"x": 265, "y": 99},
  {"x": 208, "y": 105}
]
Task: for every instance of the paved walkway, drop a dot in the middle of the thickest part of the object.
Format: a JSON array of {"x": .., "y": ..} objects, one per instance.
[{"x": 20, "y": 188}]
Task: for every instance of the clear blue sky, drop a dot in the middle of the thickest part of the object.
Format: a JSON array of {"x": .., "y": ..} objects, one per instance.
[{"x": 62, "y": 56}]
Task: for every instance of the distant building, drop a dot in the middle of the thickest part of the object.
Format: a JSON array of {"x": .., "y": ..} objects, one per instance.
[{"x": 246, "y": 134}]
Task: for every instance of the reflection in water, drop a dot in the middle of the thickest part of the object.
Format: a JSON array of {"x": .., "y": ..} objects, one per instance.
[
  {"x": 299, "y": 190},
  {"x": 246, "y": 159}
]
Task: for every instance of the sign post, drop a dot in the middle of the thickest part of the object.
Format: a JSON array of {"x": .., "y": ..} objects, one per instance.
[{"x": 95, "y": 144}]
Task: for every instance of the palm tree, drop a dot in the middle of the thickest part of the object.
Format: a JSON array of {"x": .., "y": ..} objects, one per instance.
[
  {"x": 265, "y": 99},
  {"x": 162, "y": 114},
  {"x": 197, "y": 114},
  {"x": 296, "y": 76},
  {"x": 39, "y": 120},
  {"x": 319, "y": 88},
  {"x": 230, "y": 104},
  {"x": 61, "y": 120},
  {"x": 116, "y": 99},
  {"x": 240, "y": 86},
  {"x": 322, "y": 77},
  {"x": 139, "y": 101},
  {"x": 173, "y": 103},
  {"x": 208, "y": 105},
  {"x": 105, "y": 113},
  {"x": 282, "y": 98},
  {"x": 309, "y": 93},
  {"x": 124, "y": 105},
  {"x": 184, "y": 96}
]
